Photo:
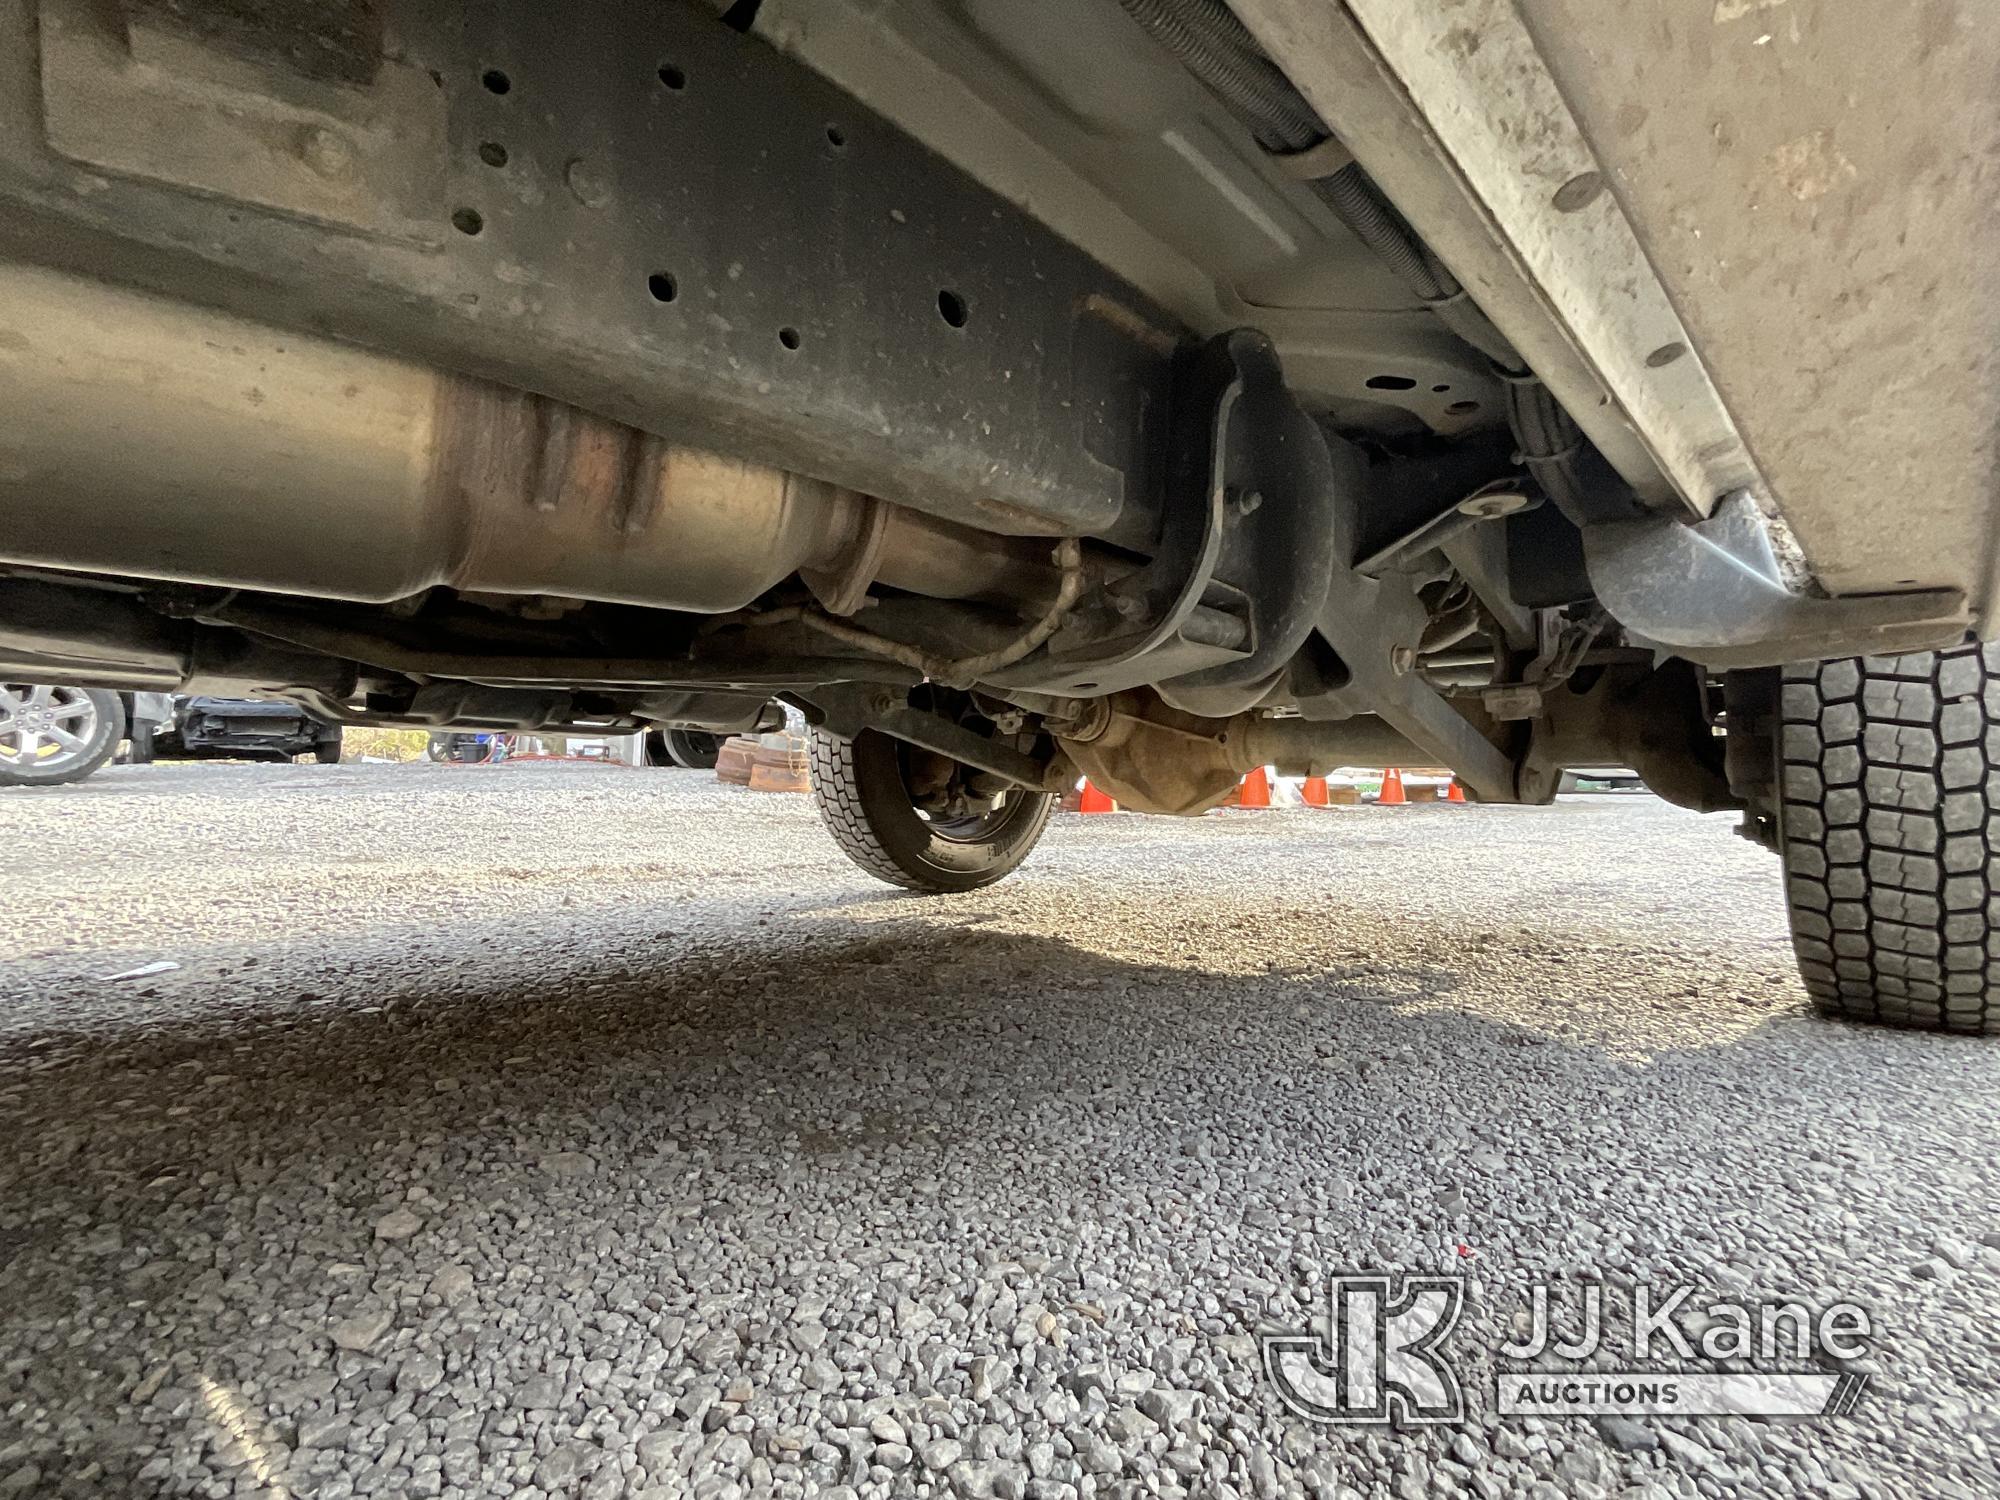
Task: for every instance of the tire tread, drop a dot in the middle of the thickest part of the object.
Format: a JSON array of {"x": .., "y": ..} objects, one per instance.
[
  {"x": 836, "y": 788},
  {"x": 1890, "y": 790},
  {"x": 862, "y": 801}
]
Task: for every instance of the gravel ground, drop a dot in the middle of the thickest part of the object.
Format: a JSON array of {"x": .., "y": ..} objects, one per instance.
[{"x": 551, "y": 1130}]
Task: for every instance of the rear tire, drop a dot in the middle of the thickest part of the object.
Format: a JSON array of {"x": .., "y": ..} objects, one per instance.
[
  {"x": 862, "y": 796},
  {"x": 327, "y": 750},
  {"x": 1889, "y": 813}
]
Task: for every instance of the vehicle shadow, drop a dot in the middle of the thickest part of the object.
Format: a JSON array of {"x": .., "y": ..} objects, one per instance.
[{"x": 900, "y": 1104}]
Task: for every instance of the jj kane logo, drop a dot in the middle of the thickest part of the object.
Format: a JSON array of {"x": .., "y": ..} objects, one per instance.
[
  {"x": 1383, "y": 1355},
  {"x": 1383, "y": 1359}
]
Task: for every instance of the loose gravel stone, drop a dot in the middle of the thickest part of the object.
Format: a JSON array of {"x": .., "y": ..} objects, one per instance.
[
  {"x": 398, "y": 1224},
  {"x": 563, "y": 1467},
  {"x": 324, "y": 1429},
  {"x": 1628, "y": 1436},
  {"x": 759, "y": 1180},
  {"x": 539, "y": 1393},
  {"x": 362, "y": 1329},
  {"x": 1174, "y": 1409},
  {"x": 658, "y": 1451},
  {"x": 420, "y": 1375}
]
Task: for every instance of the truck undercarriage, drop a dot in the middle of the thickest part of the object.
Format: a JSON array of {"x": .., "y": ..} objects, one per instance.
[{"x": 1050, "y": 390}]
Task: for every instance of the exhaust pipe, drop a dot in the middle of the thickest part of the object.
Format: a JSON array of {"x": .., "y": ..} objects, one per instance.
[{"x": 153, "y": 439}]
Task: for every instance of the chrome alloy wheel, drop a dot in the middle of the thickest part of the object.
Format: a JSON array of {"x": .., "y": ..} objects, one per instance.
[{"x": 45, "y": 727}]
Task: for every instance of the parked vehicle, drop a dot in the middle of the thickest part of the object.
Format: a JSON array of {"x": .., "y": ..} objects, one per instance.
[
  {"x": 469, "y": 747},
  {"x": 51, "y": 734},
  {"x": 1599, "y": 779},
  {"x": 1147, "y": 389},
  {"x": 54, "y": 733},
  {"x": 204, "y": 728}
]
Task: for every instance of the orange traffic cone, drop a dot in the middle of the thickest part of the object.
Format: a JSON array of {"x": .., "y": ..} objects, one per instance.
[
  {"x": 1256, "y": 790},
  {"x": 1313, "y": 793},
  {"x": 1391, "y": 794},
  {"x": 1094, "y": 801},
  {"x": 1455, "y": 792}
]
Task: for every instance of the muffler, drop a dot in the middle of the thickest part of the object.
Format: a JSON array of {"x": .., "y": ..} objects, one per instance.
[{"x": 153, "y": 439}]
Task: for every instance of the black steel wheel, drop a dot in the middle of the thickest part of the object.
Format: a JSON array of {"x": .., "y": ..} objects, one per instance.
[{"x": 864, "y": 788}]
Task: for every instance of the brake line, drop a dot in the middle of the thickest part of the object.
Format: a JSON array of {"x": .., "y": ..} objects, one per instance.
[{"x": 964, "y": 671}]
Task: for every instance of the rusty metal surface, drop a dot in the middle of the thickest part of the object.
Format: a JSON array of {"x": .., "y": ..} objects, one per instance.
[
  {"x": 250, "y": 114},
  {"x": 1818, "y": 184},
  {"x": 1155, "y": 759},
  {"x": 246, "y": 457},
  {"x": 655, "y": 218}
]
